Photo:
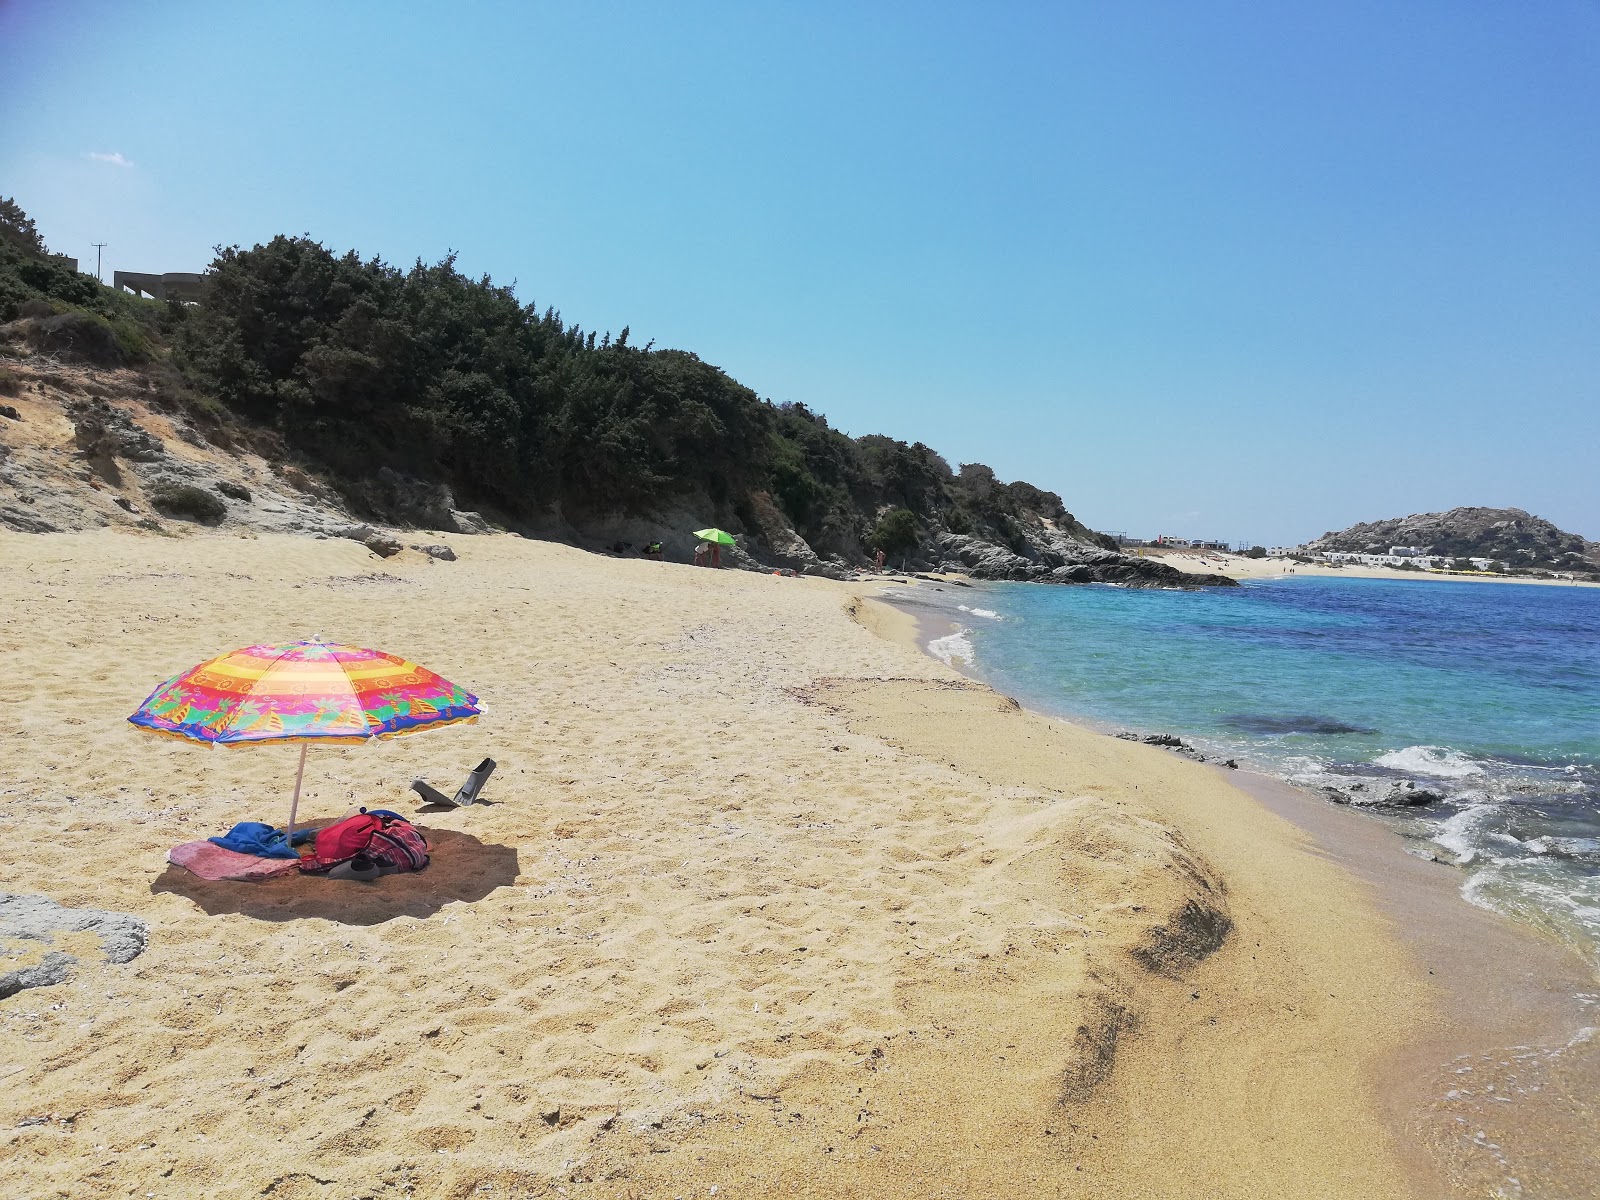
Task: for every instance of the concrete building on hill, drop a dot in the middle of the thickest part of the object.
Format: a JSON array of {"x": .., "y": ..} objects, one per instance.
[{"x": 174, "y": 285}]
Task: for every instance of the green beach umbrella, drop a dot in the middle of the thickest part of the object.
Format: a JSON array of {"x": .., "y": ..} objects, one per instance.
[{"x": 714, "y": 535}]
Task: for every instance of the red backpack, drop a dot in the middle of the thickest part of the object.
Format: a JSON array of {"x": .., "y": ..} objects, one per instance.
[{"x": 390, "y": 841}]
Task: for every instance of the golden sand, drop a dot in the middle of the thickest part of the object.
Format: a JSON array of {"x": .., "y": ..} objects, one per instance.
[{"x": 764, "y": 904}]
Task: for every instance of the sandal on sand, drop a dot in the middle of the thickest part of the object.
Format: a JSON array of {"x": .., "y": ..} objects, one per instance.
[{"x": 469, "y": 790}]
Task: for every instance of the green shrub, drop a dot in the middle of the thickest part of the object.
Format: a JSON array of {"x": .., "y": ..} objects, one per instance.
[
  {"x": 896, "y": 532},
  {"x": 10, "y": 382},
  {"x": 234, "y": 491},
  {"x": 135, "y": 342},
  {"x": 190, "y": 503}
]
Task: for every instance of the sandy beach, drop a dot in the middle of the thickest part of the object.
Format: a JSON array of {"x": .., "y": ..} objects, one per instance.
[{"x": 763, "y": 902}]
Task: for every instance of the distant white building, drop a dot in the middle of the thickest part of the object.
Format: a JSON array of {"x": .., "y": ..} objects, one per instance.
[
  {"x": 1425, "y": 562},
  {"x": 1282, "y": 551},
  {"x": 1405, "y": 551}
]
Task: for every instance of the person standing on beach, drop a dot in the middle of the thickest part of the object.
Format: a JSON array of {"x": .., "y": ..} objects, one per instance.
[
  {"x": 716, "y": 554},
  {"x": 700, "y": 553},
  {"x": 878, "y": 558}
]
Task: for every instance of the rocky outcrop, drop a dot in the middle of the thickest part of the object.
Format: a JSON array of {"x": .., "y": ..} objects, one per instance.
[
  {"x": 414, "y": 503},
  {"x": 90, "y": 449},
  {"x": 103, "y": 431},
  {"x": 1507, "y": 535},
  {"x": 780, "y": 545},
  {"x": 1394, "y": 793},
  {"x": 1044, "y": 555}
]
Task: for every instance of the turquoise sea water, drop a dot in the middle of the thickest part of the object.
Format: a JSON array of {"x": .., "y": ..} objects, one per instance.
[{"x": 1485, "y": 695}]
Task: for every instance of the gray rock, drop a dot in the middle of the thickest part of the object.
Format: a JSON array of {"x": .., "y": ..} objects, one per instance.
[
  {"x": 784, "y": 547},
  {"x": 408, "y": 501},
  {"x": 103, "y": 430},
  {"x": 383, "y": 545},
  {"x": 24, "y": 522},
  {"x": 1077, "y": 573},
  {"x": 7, "y": 411},
  {"x": 468, "y": 522},
  {"x": 123, "y": 937},
  {"x": 441, "y": 552}
]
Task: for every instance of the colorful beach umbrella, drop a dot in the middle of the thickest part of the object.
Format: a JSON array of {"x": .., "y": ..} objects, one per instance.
[
  {"x": 311, "y": 691},
  {"x": 714, "y": 535}
]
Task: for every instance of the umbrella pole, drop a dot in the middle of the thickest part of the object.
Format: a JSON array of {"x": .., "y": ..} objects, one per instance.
[{"x": 294, "y": 805}]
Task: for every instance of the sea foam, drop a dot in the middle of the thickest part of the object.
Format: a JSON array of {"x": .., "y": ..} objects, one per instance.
[
  {"x": 1437, "y": 761},
  {"x": 952, "y": 648}
]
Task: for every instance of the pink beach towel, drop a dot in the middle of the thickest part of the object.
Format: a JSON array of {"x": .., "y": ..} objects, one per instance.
[{"x": 210, "y": 861}]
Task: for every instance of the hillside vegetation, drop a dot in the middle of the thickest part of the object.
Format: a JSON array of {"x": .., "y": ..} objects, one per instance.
[{"x": 369, "y": 373}]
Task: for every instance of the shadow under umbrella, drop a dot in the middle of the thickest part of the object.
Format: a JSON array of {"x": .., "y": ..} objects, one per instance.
[{"x": 461, "y": 868}]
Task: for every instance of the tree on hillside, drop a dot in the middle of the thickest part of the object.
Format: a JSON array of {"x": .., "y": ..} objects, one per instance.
[
  {"x": 362, "y": 365},
  {"x": 896, "y": 532},
  {"x": 17, "y": 229}
]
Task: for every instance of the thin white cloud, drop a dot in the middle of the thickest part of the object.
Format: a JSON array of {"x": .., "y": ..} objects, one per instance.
[{"x": 114, "y": 158}]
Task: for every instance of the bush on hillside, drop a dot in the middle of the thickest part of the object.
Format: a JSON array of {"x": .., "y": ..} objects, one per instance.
[
  {"x": 896, "y": 532},
  {"x": 190, "y": 503}
]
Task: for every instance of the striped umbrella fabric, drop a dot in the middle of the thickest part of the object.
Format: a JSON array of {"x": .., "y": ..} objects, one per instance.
[{"x": 311, "y": 690}]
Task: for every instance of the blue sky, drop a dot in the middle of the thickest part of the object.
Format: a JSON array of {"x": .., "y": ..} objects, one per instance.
[{"x": 1243, "y": 270}]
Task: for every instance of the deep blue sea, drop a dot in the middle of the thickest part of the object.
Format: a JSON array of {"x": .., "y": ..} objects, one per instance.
[{"x": 1486, "y": 695}]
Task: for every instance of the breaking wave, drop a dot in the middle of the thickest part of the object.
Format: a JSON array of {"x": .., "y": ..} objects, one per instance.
[
  {"x": 1440, "y": 762},
  {"x": 952, "y": 648}
]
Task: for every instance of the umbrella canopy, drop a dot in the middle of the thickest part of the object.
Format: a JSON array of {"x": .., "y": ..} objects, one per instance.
[
  {"x": 714, "y": 535},
  {"x": 305, "y": 692}
]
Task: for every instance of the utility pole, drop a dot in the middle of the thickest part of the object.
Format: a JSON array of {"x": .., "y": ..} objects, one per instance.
[{"x": 98, "y": 246}]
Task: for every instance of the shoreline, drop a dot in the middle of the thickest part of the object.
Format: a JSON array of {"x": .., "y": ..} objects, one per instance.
[
  {"x": 1524, "y": 1035},
  {"x": 1237, "y": 566}
]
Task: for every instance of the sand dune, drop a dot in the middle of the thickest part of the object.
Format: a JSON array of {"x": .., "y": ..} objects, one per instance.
[{"x": 762, "y": 902}]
